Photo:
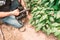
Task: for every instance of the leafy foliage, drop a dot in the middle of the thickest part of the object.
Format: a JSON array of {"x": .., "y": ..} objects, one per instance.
[
  {"x": 46, "y": 16},
  {"x": 27, "y": 3}
]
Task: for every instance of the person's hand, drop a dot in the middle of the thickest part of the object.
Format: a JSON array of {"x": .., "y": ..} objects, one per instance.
[
  {"x": 26, "y": 11},
  {"x": 15, "y": 12}
]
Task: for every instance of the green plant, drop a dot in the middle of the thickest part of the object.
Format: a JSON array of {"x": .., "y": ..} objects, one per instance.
[
  {"x": 46, "y": 16},
  {"x": 27, "y": 3}
]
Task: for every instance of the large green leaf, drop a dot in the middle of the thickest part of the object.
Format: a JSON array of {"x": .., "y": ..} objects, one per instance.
[
  {"x": 51, "y": 1},
  {"x": 57, "y": 33},
  {"x": 43, "y": 18},
  {"x": 39, "y": 26},
  {"x": 55, "y": 24}
]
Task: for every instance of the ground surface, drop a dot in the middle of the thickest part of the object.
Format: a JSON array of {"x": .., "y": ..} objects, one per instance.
[{"x": 11, "y": 33}]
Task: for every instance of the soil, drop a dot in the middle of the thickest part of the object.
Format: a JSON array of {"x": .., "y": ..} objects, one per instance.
[{"x": 11, "y": 33}]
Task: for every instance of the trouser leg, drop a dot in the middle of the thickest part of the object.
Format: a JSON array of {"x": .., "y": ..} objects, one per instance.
[{"x": 12, "y": 21}]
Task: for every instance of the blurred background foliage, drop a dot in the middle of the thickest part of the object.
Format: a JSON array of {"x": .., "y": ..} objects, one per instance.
[{"x": 45, "y": 15}]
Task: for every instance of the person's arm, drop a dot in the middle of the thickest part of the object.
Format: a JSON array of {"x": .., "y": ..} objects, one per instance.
[
  {"x": 4, "y": 14},
  {"x": 24, "y": 5}
]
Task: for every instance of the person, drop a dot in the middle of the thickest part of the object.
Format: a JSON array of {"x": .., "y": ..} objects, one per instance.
[{"x": 9, "y": 16}]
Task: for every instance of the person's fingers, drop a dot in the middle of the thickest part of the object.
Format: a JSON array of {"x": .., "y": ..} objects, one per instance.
[{"x": 15, "y": 12}]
